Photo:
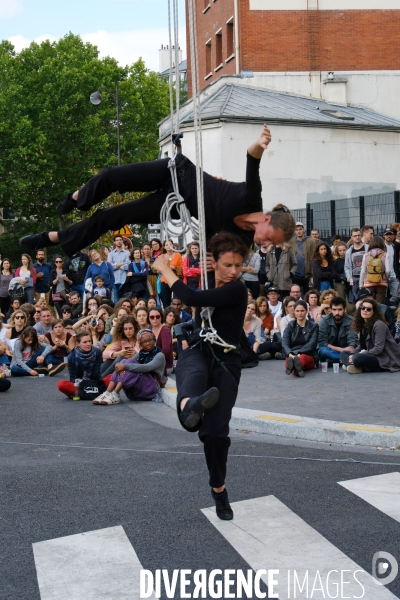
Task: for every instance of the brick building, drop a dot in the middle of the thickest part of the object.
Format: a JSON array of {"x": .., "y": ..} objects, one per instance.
[{"x": 292, "y": 45}]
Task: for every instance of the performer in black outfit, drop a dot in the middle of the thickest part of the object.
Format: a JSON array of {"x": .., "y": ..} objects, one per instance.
[
  {"x": 207, "y": 378},
  {"x": 229, "y": 206}
]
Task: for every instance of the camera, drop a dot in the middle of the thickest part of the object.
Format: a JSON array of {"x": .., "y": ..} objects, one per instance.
[{"x": 94, "y": 322}]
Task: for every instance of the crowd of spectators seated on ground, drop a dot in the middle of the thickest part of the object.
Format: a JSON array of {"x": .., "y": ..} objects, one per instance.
[{"x": 110, "y": 320}]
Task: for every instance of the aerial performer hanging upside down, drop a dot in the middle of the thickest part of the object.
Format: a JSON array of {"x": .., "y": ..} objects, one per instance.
[{"x": 229, "y": 206}]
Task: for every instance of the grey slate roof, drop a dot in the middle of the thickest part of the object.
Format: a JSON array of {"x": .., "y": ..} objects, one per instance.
[
  {"x": 182, "y": 68},
  {"x": 239, "y": 103}
]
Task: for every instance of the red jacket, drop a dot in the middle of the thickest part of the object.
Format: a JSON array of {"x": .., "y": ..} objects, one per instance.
[
  {"x": 33, "y": 274},
  {"x": 189, "y": 271}
]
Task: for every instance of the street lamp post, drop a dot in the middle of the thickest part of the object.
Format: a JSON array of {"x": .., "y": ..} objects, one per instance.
[{"x": 96, "y": 99}]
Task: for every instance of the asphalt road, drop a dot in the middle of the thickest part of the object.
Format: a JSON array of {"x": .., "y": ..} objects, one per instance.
[{"x": 71, "y": 467}]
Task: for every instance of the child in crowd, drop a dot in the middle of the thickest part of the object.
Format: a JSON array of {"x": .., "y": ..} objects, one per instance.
[{"x": 99, "y": 289}]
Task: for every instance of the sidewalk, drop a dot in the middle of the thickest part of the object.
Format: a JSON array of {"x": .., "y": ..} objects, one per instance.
[{"x": 325, "y": 407}]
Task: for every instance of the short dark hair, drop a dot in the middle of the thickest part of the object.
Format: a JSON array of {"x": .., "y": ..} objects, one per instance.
[
  {"x": 67, "y": 322},
  {"x": 116, "y": 237},
  {"x": 354, "y": 229},
  {"x": 337, "y": 302},
  {"x": 81, "y": 334},
  {"x": 99, "y": 277},
  {"x": 74, "y": 293},
  {"x": 301, "y": 303},
  {"x": 66, "y": 308}
]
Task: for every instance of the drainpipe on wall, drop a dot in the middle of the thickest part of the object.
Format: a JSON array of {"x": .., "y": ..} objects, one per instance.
[{"x": 236, "y": 16}]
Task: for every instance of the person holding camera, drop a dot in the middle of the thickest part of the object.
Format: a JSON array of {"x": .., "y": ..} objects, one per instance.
[{"x": 123, "y": 346}]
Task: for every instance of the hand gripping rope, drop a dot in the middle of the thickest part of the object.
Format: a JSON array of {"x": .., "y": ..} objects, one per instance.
[{"x": 174, "y": 200}]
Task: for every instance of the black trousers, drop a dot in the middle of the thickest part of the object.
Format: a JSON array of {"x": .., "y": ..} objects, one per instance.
[
  {"x": 5, "y": 385},
  {"x": 364, "y": 361},
  {"x": 269, "y": 346},
  {"x": 196, "y": 372}
]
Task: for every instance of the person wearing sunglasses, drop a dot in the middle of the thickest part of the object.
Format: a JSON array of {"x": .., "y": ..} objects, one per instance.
[
  {"x": 163, "y": 337},
  {"x": 60, "y": 282},
  {"x": 18, "y": 322},
  {"x": 377, "y": 350}
]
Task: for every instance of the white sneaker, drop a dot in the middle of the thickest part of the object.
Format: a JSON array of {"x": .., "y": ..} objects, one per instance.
[
  {"x": 115, "y": 398},
  {"x": 100, "y": 399}
]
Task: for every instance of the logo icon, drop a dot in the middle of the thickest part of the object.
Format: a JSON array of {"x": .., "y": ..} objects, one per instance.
[{"x": 384, "y": 563}]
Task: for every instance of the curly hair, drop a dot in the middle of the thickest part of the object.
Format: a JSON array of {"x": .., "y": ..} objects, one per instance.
[
  {"x": 119, "y": 329},
  {"x": 359, "y": 324},
  {"x": 326, "y": 293},
  {"x": 328, "y": 256},
  {"x": 308, "y": 294},
  {"x": 172, "y": 309}
]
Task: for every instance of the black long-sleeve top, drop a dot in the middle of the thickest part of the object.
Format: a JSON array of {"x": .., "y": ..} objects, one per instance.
[
  {"x": 322, "y": 273},
  {"x": 229, "y": 302},
  {"x": 225, "y": 200}
]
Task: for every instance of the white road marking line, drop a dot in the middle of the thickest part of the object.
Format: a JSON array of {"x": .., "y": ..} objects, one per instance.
[
  {"x": 268, "y": 535},
  {"x": 382, "y": 491},
  {"x": 88, "y": 566}
]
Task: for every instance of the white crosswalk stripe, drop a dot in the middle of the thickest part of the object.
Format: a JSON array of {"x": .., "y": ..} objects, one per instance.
[
  {"x": 88, "y": 566},
  {"x": 381, "y": 491},
  {"x": 268, "y": 535}
]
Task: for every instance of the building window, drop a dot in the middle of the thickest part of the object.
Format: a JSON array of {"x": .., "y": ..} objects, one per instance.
[
  {"x": 230, "y": 39},
  {"x": 208, "y": 58},
  {"x": 218, "y": 49}
]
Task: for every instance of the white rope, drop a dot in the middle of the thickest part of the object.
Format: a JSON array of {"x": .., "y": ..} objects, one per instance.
[
  {"x": 208, "y": 333},
  {"x": 174, "y": 200}
]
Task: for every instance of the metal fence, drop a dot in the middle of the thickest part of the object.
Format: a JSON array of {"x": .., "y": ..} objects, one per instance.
[{"x": 340, "y": 216}]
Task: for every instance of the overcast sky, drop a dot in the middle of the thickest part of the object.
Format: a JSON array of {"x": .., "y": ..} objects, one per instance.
[{"x": 124, "y": 29}]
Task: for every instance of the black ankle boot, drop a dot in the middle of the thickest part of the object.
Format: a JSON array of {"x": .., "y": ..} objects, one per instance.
[
  {"x": 36, "y": 241},
  {"x": 66, "y": 205},
  {"x": 195, "y": 407},
  {"x": 222, "y": 506}
]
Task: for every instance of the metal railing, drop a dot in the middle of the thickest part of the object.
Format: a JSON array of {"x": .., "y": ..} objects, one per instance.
[{"x": 333, "y": 217}]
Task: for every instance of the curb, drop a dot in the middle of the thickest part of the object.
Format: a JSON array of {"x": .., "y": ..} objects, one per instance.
[{"x": 303, "y": 428}]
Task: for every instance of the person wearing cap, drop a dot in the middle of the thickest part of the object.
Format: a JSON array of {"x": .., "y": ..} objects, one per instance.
[
  {"x": 304, "y": 249},
  {"x": 274, "y": 304},
  {"x": 280, "y": 267},
  {"x": 389, "y": 235}
]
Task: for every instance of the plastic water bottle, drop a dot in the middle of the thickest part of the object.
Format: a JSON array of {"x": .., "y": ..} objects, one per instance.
[{"x": 76, "y": 390}]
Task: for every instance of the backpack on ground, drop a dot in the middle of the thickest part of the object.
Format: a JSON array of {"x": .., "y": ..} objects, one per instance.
[{"x": 375, "y": 269}]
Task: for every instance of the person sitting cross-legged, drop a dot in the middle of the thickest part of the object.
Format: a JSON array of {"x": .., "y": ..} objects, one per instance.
[
  {"x": 377, "y": 350},
  {"x": 140, "y": 377},
  {"x": 300, "y": 341},
  {"x": 84, "y": 362},
  {"x": 335, "y": 333},
  {"x": 32, "y": 357}
]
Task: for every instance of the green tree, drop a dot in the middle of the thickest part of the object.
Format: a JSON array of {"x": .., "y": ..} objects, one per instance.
[{"x": 52, "y": 137}]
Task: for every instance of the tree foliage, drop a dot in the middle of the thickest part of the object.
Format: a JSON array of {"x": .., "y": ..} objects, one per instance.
[{"x": 52, "y": 137}]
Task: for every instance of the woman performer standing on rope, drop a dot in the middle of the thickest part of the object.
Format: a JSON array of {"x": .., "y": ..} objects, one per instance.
[
  {"x": 207, "y": 378},
  {"x": 229, "y": 206}
]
